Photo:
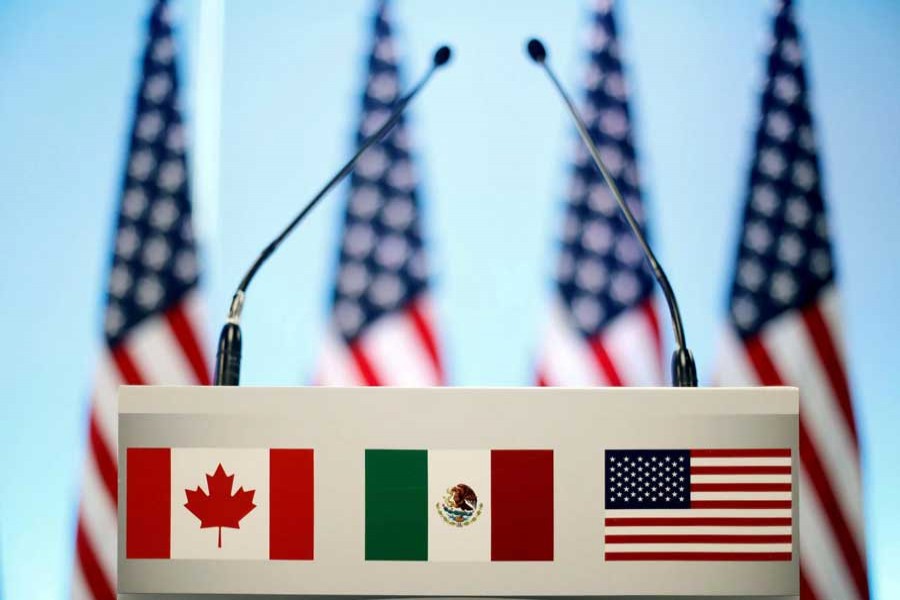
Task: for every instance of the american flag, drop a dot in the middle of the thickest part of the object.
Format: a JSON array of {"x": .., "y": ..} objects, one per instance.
[
  {"x": 603, "y": 327},
  {"x": 381, "y": 330},
  {"x": 784, "y": 326},
  {"x": 723, "y": 504},
  {"x": 152, "y": 321}
]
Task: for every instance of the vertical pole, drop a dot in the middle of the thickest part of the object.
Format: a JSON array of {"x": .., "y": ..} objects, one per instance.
[{"x": 207, "y": 125}]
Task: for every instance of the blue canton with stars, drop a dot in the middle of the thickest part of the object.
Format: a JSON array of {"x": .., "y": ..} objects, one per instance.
[
  {"x": 382, "y": 264},
  {"x": 601, "y": 271},
  {"x": 155, "y": 260},
  {"x": 785, "y": 258},
  {"x": 648, "y": 479}
]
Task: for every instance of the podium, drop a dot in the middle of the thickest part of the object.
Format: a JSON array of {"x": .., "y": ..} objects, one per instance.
[{"x": 256, "y": 492}]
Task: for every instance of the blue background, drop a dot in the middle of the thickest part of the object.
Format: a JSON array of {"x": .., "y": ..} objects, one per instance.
[{"x": 493, "y": 144}]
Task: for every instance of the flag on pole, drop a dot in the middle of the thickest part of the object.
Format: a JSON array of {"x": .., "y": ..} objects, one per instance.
[
  {"x": 784, "y": 326},
  {"x": 459, "y": 505},
  {"x": 179, "y": 501},
  {"x": 603, "y": 327},
  {"x": 152, "y": 320},
  {"x": 381, "y": 328}
]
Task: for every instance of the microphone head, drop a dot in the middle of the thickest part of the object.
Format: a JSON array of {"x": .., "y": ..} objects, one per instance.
[
  {"x": 536, "y": 50},
  {"x": 442, "y": 56}
]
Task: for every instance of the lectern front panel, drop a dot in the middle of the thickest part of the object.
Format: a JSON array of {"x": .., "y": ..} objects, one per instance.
[{"x": 458, "y": 492}]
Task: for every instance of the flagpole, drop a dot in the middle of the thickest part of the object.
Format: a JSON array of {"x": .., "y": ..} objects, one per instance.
[{"x": 207, "y": 136}]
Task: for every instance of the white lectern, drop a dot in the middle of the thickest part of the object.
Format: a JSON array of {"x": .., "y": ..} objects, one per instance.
[{"x": 276, "y": 492}]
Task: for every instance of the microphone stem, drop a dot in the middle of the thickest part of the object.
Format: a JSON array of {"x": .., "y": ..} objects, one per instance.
[
  {"x": 237, "y": 302},
  {"x": 684, "y": 373},
  {"x": 228, "y": 355}
]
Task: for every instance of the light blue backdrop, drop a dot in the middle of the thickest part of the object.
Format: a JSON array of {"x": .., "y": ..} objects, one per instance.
[{"x": 493, "y": 143}]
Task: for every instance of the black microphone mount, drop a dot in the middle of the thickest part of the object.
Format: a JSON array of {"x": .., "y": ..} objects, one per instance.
[
  {"x": 684, "y": 371},
  {"x": 228, "y": 355}
]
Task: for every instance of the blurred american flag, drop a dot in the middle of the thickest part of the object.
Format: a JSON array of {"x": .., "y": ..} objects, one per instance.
[
  {"x": 784, "y": 324},
  {"x": 381, "y": 330},
  {"x": 603, "y": 327},
  {"x": 152, "y": 318}
]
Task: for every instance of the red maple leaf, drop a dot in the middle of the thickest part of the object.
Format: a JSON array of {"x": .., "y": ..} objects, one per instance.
[{"x": 220, "y": 508}]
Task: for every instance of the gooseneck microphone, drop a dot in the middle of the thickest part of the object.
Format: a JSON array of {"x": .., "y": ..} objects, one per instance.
[
  {"x": 228, "y": 355},
  {"x": 684, "y": 371}
]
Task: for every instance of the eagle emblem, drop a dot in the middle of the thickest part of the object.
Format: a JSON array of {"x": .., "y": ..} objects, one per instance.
[{"x": 460, "y": 506}]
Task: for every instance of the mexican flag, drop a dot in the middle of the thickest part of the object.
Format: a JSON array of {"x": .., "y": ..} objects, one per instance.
[
  {"x": 219, "y": 503},
  {"x": 459, "y": 505}
]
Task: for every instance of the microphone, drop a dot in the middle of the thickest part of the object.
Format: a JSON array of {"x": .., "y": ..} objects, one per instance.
[
  {"x": 684, "y": 371},
  {"x": 228, "y": 354}
]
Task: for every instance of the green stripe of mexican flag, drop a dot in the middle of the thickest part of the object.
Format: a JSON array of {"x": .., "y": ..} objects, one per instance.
[{"x": 459, "y": 505}]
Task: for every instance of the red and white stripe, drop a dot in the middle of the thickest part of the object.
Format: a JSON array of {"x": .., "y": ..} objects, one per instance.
[
  {"x": 399, "y": 349},
  {"x": 627, "y": 353},
  {"x": 804, "y": 348},
  {"x": 162, "y": 350},
  {"x": 740, "y": 511}
]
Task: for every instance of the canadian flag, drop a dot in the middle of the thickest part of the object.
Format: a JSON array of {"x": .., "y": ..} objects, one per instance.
[{"x": 219, "y": 503}]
